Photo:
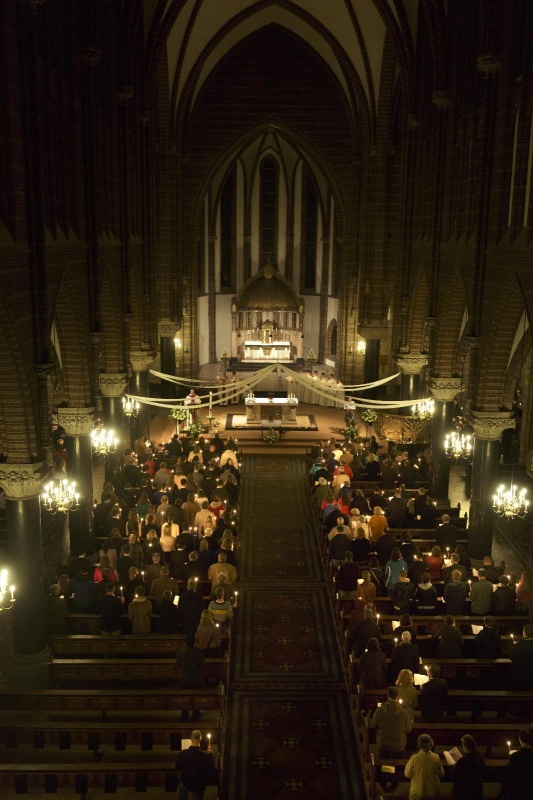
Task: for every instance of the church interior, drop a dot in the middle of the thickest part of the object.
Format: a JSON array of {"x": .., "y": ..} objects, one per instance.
[{"x": 255, "y": 245}]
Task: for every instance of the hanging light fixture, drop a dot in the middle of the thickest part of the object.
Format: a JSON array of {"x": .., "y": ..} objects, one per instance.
[
  {"x": 7, "y": 593},
  {"x": 130, "y": 407},
  {"x": 60, "y": 496},
  {"x": 511, "y": 503},
  {"x": 423, "y": 410},
  {"x": 458, "y": 445},
  {"x": 103, "y": 441}
]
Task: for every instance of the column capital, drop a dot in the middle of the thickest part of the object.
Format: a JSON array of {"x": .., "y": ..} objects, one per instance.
[
  {"x": 411, "y": 363},
  {"x": 167, "y": 328},
  {"x": 141, "y": 360},
  {"x": 112, "y": 384},
  {"x": 372, "y": 330},
  {"x": 489, "y": 425},
  {"x": 489, "y": 63},
  {"x": 21, "y": 481},
  {"x": 76, "y": 421},
  {"x": 441, "y": 99},
  {"x": 445, "y": 389}
]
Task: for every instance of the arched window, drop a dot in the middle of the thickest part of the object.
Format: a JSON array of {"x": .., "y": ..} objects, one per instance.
[
  {"x": 309, "y": 232},
  {"x": 228, "y": 231},
  {"x": 331, "y": 342},
  {"x": 268, "y": 209}
]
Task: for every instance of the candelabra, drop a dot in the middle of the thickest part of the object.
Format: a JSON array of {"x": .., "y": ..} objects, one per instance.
[
  {"x": 311, "y": 357},
  {"x": 130, "y": 407},
  {"x": 423, "y": 410},
  {"x": 7, "y": 594},
  {"x": 458, "y": 445},
  {"x": 510, "y": 503},
  {"x": 60, "y": 496},
  {"x": 104, "y": 442}
]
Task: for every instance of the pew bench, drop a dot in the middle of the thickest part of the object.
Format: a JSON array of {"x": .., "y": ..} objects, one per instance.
[
  {"x": 112, "y": 646},
  {"x": 146, "y": 670},
  {"x": 114, "y": 701},
  {"x": 493, "y": 774},
  {"x": 460, "y": 672},
  {"x": 41, "y": 735},
  {"x": 429, "y": 624},
  {"x": 82, "y": 778},
  {"x": 475, "y": 701}
]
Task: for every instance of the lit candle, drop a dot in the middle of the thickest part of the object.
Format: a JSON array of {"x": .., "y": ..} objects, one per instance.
[
  {"x": 12, "y": 590},
  {"x": 509, "y": 746},
  {"x": 236, "y": 594},
  {"x": 210, "y": 400},
  {"x": 121, "y": 591},
  {"x": 209, "y": 740}
]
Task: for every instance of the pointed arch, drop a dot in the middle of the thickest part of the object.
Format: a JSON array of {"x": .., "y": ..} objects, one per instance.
[{"x": 450, "y": 325}]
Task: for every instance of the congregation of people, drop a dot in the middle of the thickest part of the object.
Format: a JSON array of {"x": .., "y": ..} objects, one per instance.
[
  {"x": 371, "y": 537},
  {"x": 163, "y": 557}
]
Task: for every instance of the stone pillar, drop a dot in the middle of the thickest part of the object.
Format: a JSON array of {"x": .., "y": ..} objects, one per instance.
[
  {"x": 488, "y": 428},
  {"x": 444, "y": 391},
  {"x": 140, "y": 361},
  {"x": 410, "y": 365},
  {"x": 28, "y": 663},
  {"x": 78, "y": 424},
  {"x": 112, "y": 386},
  {"x": 167, "y": 331}
]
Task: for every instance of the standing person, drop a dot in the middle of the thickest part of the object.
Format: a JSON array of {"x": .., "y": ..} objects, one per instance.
[
  {"x": 110, "y": 609},
  {"x": 433, "y": 695},
  {"x": 481, "y": 595},
  {"x": 392, "y": 724},
  {"x": 407, "y": 693},
  {"x": 191, "y": 662},
  {"x": 405, "y": 656},
  {"x": 519, "y": 770},
  {"x": 194, "y": 766},
  {"x": 424, "y": 770},
  {"x": 140, "y": 612},
  {"x": 393, "y": 568},
  {"x": 467, "y": 773},
  {"x": 450, "y": 639}
]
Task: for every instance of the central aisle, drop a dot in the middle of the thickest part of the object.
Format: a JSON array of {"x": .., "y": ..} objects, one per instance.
[{"x": 289, "y": 730}]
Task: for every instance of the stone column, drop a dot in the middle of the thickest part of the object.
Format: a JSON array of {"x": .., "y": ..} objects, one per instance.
[
  {"x": 140, "y": 361},
  {"x": 410, "y": 365},
  {"x": 488, "y": 428},
  {"x": 167, "y": 331},
  {"x": 78, "y": 424},
  {"x": 28, "y": 663},
  {"x": 444, "y": 391},
  {"x": 112, "y": 386}
]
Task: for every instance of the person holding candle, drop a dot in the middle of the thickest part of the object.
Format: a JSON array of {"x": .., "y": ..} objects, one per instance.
[
  {"x": 407, "y": 694},
  {"x": 405, "y": 656},
  {"x": 195, "y": 767}
]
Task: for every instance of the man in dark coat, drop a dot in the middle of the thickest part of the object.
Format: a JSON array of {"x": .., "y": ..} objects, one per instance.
[
  {"x": 446, "y": 572},
  {"x": 194, "y": 766},
  {"x": 190, "y": 608},
  {"x": 447, "y": 535},
  {"x": 384, "y": 547},
  {"x": 433, "y": 695},
  {"x": 504, "y": 599},
  {"x": 519, "y": 770},
  {"x": 405, "y": 656},
  {"x": 521, "y": 655}
]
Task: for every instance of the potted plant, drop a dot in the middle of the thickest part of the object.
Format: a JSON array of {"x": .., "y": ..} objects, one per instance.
[
  {"x": 180, "y": 415},
  {"x": 351, "y": 431},
  {"x": 272, "y": 435},
  {"x": 196, "y": 429},
  {"x": 369, "y": 416}
]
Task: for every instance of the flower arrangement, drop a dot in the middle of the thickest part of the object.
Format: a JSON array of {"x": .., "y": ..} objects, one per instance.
[
  {"x": 196, "y": 429},
  {"x": 179, "y": 414},
  {"x": 351, "y": 431},
  {"x": 369, "y": 416},
  {"x": 271, "y": 435}
]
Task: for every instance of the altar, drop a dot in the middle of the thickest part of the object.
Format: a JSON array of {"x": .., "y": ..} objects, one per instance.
[
  {"x": 255, "y": 350},
  {"x": 279, "y": 409}
]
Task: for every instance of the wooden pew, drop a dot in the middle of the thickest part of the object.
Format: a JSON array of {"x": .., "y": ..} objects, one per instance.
[
  {"x": 429, "y": 624},
  {"x": 493, "y": 774},
  {"x": 147, "y": 670},
  {"x": 83, "y": 778},
  {"x": 113, "y": 646},
  {"x": 94, "y": 734},
  {"x": 460, "y": 672},
  {"x": 428, "y": 646},
  {"x": 474, "y": 701},
  {"x": 115, "y": 701}
]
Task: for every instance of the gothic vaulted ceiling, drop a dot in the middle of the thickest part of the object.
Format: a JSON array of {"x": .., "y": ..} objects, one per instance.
[{"x": 350, "y": 36}]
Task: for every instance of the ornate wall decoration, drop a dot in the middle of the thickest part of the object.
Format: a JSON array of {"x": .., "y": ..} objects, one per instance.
[
  {"x": 403, "y": 430},
  {"x": 21, "y": 481}
]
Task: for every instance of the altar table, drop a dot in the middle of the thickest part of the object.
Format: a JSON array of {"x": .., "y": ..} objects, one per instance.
[{"x": 279, "y": 409}]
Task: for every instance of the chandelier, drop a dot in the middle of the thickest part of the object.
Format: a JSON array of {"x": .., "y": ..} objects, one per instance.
[
  {"x": 510, "y": 503},
  {"x": 103, "y": 441},
  {"x": 423, "y": 410},
  {"x": 7, "y": 594},
  {"x": 458, "y": 445},
  {"x": 60, "y": 496},
  {"x": 130, "y": 407}
]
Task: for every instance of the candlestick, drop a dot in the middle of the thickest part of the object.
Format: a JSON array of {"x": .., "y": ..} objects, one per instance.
[{"x": 210, "y": 400}]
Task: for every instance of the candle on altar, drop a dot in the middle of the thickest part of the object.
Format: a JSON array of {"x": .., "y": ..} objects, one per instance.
[{"x": 210, "y": 400}]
